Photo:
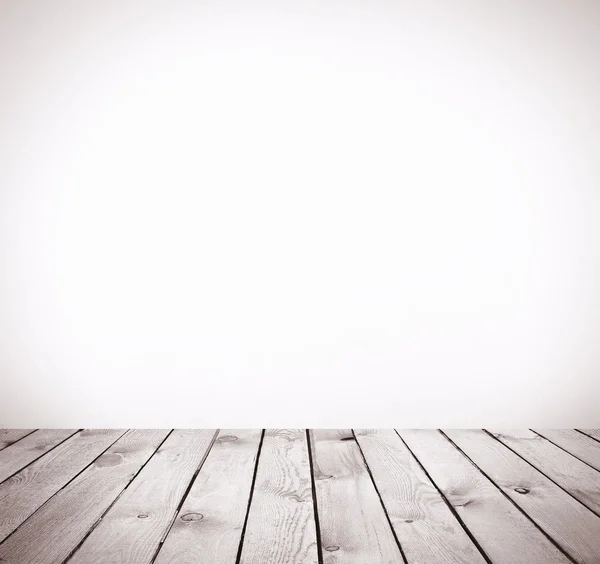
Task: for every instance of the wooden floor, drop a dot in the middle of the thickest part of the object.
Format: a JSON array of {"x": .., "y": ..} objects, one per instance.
[{"x": 291, "y": 496}]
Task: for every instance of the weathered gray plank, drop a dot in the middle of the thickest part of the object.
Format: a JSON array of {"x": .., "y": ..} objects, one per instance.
[
  {"x": 579, "y": 445},
  {"x": 581, "y": 481},
  {"x": 281, "y": 526},
  {"x": 54, "y": 531},
  {"x": 354, "y": 527},
  {"x": 503, "y": 532},
  {"x": 425, "y": 526},
  {"x": 575, "y": 528},
  {"x": 134, "y": 526},
  {"x": 27, "y": 490},
  {"x": 208, "y": 527},
  {"x": 18, "y": 455},
  {"x": 9, "y": 436}
]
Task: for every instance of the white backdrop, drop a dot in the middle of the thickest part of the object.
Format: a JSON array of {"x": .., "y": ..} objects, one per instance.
[{"x": 299, "y": 213}]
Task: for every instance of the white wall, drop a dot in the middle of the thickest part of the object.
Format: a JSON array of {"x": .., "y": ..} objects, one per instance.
[{"x": 299, "y": 213}]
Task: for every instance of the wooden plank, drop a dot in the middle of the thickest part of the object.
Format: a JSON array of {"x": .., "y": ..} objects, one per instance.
[
  {"x": 354, "y": 527},
  {"x": 54, "y": 531},
  {"x": 10, "y": 436},
  {"x": 505, "y": 534},
  {"x": 27, "y": 490},
  {"x": 133, "y": 528},
  {"x": 583, "y": 447},
  {"x": 18, "y": 455},
  {"x": 581, "y": 481},
  {"x": 563, "y": 518},
  {"x": 208, "y": 528},
  {"x": 594, "y": 433},
  {"x": 281, "y": 525},
  {"x": 424, "y": 525}
]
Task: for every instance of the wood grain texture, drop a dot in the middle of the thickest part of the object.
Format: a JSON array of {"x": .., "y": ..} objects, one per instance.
[
  {"x": 563, "y": 518},
  {"x": 504, "y": 533},
  {"x": 578, "y": 444},
  {"x": 354, "y": 527},
  {"x": 594, "y": 433},
  {"x": 281, "y": 525},
  {"x": 208, "y": 527},
  {"x": 425, "y": 526},
  {"x": 154, "y": 497},
  {"x": 18, "y": 455},
  {"x": 133, "y": 528},
  {"x": 27, "y": 490},
  {"x": 581, "y": 481},
  {"x": 54, "y": 531},
  {"x": 9, "y": 436}
]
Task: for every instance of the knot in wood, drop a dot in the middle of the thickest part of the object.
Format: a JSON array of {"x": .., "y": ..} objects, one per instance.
[
  {"x": 332, "y": 548},
  {"x": 227, "y": 438},
  {"x": 522, "y": 490},
  {"x": 111, "y": 459},
  {"x": 192, "y": 517}
]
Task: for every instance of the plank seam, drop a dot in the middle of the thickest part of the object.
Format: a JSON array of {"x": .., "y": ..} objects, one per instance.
[
  {"x": 564, "y": 449},
  {"x": 19, "y": 439},
  {"x": 538, "y": 527},
  {"x": 184, "y": 497},
  {"x": 241, "y": 545},
  {"x": 385, "y": 511},
  {"x": 543, "y": 473},
  {"x": 448, "y": 504},
  {"x": 314, "y": 497},
  {"x": 41, "y": 456},
  {"x": 586, "y": 435},
  {"x": 66, "y": 485},
  {"x": 91, "y": 530}
]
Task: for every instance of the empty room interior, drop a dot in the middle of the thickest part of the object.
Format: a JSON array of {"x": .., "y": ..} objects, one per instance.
[{"x": 299, "y": 282}]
